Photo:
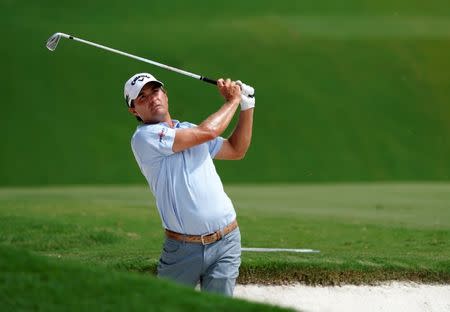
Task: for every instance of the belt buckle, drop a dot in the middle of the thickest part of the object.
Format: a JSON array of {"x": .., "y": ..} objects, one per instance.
[{"x": 203, "y": 240}]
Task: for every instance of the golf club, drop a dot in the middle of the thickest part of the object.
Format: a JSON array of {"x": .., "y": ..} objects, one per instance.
[{"x": 53, "y": 41}]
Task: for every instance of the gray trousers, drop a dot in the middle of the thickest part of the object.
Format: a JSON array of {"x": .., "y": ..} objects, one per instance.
[{"x": 214, "y": 266}]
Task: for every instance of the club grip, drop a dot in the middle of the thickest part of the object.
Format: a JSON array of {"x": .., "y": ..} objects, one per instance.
[{"x": 209, "y": 80}]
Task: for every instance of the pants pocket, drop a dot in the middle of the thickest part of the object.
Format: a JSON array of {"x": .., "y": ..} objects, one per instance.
[
  {"x": 172, "y": 252},
  {"x": 171, "y": 245}
]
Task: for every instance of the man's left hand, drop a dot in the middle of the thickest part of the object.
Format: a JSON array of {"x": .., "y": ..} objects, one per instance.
[{"x": 247, "y": 96}]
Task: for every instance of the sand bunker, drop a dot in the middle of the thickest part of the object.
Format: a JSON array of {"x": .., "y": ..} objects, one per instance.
[{"x": 393, "y": 296}]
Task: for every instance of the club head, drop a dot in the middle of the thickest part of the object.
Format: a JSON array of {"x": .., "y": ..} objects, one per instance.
[{"x": 52, "y": 42}]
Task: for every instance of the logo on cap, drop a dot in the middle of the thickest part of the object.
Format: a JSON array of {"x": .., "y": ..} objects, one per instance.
[{"x": 139, "y": 78}]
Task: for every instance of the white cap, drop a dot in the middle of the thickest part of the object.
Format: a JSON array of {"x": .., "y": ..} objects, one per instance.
[{"x": 134, "y": 85}]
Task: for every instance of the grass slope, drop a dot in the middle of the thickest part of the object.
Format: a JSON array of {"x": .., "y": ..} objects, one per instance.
[
  {"x": 347, "y": 91},
  {"x": 366, "y": 232},
  {"x": 29, "y": 282}
]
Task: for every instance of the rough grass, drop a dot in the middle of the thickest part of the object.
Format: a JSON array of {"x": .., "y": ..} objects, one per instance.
[{"x": 366, "y": 232}]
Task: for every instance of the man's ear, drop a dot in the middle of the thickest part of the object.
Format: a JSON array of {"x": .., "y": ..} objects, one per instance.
[{"x": 132, "y": 110}]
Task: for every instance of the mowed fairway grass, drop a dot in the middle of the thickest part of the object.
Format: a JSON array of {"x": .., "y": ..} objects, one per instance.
[{"x": 366, "y": 232}]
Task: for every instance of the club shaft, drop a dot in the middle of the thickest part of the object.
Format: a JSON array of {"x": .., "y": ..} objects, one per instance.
[{"x": 180, "y": 71}]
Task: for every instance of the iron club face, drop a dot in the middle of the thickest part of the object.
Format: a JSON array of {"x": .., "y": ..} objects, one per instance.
[{"x": 52, "y": 42}]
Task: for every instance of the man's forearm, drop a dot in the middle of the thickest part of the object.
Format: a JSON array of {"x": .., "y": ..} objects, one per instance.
[
  {"x": 242, "y": 135},
  {"x": 209, "y": 129},
  {"x": 219, "y": 121}
]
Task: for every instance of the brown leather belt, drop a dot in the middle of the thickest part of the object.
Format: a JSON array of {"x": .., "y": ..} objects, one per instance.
[{"x": 203, "y": 239}]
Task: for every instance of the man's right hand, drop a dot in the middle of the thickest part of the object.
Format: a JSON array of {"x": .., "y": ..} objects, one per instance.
[{"x": 230, "y": 90}]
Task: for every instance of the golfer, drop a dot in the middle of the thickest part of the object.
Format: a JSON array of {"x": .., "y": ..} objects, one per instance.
[{"x": 203, "y": 242}]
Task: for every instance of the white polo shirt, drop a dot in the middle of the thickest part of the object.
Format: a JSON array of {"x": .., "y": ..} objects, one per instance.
[{"x": 188, "y": 191}]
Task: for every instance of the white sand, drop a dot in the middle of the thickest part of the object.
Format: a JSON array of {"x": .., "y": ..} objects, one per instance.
[{"x": 394, "y": 296}]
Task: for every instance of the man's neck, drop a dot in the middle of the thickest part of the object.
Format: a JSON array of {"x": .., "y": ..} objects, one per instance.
[{"x": 166, "y": 119}]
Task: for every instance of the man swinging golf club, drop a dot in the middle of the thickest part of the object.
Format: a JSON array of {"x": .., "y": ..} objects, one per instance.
[{"x": 203, "y": 242}]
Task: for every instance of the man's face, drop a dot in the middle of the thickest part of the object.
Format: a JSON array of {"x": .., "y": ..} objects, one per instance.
[{"x": 151, "y": 105}]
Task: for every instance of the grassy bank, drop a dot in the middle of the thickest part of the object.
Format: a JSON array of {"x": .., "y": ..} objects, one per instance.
[
  {"x": 365, "y": 232},
  {"x": 348, "y": 91},
  {"x": 33, "y": 283}
]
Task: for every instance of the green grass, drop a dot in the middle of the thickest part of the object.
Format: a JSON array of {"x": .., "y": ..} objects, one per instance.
[
  {"x": 366, "y": 232},
  {"x": 34, "y": 283},
  {"x": 346, "y": 91}
]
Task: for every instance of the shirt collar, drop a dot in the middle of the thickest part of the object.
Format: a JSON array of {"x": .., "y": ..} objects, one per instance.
[{"x": 176, "y": 124}]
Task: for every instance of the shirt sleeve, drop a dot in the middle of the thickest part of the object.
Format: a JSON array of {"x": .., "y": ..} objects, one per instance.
[
  {"x": 215, "y": 146},
  {"x": 158, "y": 138}
]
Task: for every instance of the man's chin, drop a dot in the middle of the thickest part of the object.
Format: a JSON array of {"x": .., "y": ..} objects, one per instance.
[{"x": 158, "y": 111}]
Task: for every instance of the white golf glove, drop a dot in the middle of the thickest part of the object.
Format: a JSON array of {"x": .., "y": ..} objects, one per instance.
[{"x": 247, "y": 96}]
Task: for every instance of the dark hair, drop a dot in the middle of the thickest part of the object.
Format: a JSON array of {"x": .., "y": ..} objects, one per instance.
[{"x": 137, "y": 117}]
